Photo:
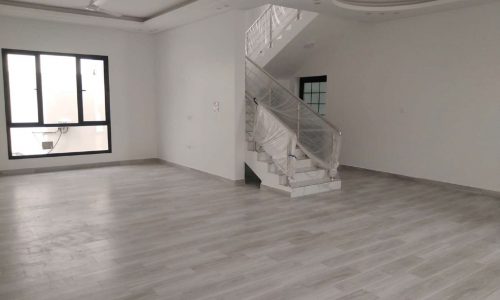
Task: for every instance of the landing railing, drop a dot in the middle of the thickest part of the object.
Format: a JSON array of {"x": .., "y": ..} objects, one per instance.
[
  {"x": 268, "y": 28},
  {"x": 319, "y": 139}
]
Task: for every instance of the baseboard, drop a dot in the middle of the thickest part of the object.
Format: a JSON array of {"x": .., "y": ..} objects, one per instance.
[
  {"x": 78, "y": 167},
  {"x": 457, "y": 187},
  {"x": 235, "y": 182}
]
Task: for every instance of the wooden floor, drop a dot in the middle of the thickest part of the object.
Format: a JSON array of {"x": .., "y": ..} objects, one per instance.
[{"x": 158, "y": 232}]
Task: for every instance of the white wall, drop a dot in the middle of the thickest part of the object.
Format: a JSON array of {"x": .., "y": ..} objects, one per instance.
[
  {"x": 420, "y": 96},
  {"x": 200, "y": 64},
  {"x": 251, "y": 15},
  {"x": 132, "y": 82}
]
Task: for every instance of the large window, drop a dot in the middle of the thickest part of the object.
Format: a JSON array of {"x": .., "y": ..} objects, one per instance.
[
  {"x": 56, "y": 104},
  {"x": 313, "y": 92}
]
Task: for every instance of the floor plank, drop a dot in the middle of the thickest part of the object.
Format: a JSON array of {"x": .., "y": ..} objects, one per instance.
[{"x": 160, "y": 232}]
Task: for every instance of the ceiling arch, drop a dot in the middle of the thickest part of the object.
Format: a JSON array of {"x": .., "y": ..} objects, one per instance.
[{"x": 384, "y": 3}]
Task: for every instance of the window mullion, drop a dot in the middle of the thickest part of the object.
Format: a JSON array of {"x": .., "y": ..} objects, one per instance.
[
  {"x": 79, "y": 89},
  {"x": 39, "y": 90}
]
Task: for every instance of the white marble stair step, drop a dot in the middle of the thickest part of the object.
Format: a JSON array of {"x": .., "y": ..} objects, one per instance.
[
  {"x": 308, "y": 173},
  {"x": 304, "y": 163},
  {"x": 311, "y": 187},
  {"x": 299, "y": 154},
  {"x": 304, "y": 183},
  {"x": 301, "y": 162}
]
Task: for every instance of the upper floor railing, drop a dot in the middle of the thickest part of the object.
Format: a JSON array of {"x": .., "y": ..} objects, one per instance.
[{"x": 268, "y": 28}]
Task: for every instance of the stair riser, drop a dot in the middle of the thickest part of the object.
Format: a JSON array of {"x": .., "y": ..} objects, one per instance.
[
  {"x": 303, "y": 163},
  {"x": 299, "y": 154},
  {"x": 318, "y": 174},
  {"x": 299, "y": 164},
  {"x": 316, "y": 189}
]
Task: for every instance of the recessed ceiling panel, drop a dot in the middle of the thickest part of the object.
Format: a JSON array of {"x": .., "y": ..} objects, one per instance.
[
  {"x": 384, "y": 3},
  {"x": 141, "y": 8},
  {"x": 135, "y": 8}
]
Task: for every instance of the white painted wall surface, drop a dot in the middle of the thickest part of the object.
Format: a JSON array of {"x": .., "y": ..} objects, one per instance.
[
  {"x": 200, "y": 64},
  {"x": 132, "y": 82},
  {"x": 251, "y": 15},
  {"x": 420, "y": 96}
]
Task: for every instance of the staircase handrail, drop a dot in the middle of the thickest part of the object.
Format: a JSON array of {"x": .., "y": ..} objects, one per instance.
[
  {"x": 271, "y": 33},
  {"x": 293, "y": 96}
]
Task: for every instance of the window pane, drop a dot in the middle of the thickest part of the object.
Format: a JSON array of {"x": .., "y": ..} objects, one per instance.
[
  {"x": 60, "y": 103},
  {"x": 307, "y": 87},
  {"x": 322, "y": 98},
  {"x": 47, "y": 140},
  {"x": 22, "y": 87},
  {"x": 322, "y": 109},
  {"x": 315, "y": 98},
  {"x": 307, "y": 98},
  {"x": 315, "y": 87},
  {"x": 94, "y": 108},
  {"x": 322, "y": 87}
]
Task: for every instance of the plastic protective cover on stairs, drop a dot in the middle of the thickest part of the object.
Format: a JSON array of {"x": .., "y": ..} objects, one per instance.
[{"x": 276, "y": 139}]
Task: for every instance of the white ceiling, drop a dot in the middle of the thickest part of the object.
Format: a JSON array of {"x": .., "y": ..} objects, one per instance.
[
  {"x": 158, "y": 15},
  {"x": 142, "y": 9}
]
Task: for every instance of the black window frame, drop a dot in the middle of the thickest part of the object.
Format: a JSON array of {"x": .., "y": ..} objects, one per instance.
[
  {"x": 40, "y": 124},
  {"x": 312, "y": 79}
]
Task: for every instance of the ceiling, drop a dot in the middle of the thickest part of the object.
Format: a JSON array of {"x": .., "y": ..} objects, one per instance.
[
  {"x": 159, "y": 15},
  {"x": 383, "y": 3},
  {"x": 140, "y": 9}
]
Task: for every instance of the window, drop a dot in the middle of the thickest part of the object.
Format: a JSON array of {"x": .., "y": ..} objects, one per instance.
[
  {"x": 56, "y": 104},
  {"x": 313, "y": 92}
]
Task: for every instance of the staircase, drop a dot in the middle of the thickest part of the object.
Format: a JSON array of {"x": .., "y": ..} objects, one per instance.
[{"x": 289, "y": 146}]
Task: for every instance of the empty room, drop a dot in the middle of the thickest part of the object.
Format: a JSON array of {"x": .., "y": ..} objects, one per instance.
[{"x": 250, "y": 149}]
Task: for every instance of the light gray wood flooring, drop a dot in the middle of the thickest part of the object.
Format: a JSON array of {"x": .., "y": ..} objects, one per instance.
[{"x": 159, "y": 232}]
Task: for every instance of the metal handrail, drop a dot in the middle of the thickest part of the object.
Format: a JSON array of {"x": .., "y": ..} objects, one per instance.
[
  {"x": 294, "y": 96},
  {"x": 271, "y": 33}
]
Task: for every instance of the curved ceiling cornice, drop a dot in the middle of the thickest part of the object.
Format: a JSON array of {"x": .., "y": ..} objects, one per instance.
[
  {"x": 384, "y": 3},
  {"x": 390, "y": 5}
]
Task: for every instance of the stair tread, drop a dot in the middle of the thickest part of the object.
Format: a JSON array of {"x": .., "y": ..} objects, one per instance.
[{"x": 299, "y": 184}]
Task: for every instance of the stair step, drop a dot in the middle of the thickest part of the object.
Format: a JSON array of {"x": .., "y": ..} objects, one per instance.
[
  {"x": 305, "y": 169},
  {"x": 312, "y": 187},
  {"x": 304, "y": 183},
  {"x": 299, "y": 154},
  {"x": 303, "y": 163},
  {"x": 307, "y": 174}
]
